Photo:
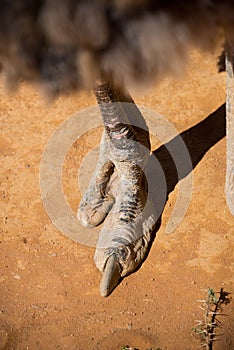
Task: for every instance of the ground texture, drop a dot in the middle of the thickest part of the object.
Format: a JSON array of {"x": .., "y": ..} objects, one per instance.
[{"x": 49, "y": 285}]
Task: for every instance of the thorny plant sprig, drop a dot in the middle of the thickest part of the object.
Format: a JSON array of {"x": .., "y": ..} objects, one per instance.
[
  {"x": 130, "y": 348},
  {"x": 206, "y": 328}
]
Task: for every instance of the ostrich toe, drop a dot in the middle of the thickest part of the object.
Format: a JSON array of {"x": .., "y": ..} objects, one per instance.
[{"x": 97, "y": 200}]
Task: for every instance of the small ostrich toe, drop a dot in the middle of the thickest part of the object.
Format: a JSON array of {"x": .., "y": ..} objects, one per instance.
[
  {"x": 97, "y": 201},
  {"x": 92, "y": 212}
]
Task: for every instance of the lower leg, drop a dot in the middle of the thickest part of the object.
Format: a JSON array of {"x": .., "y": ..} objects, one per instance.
[{"x": 230, "y": 124}]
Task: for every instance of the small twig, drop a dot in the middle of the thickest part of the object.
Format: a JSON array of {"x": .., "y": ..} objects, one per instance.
[{"x": 212, "y": 308}]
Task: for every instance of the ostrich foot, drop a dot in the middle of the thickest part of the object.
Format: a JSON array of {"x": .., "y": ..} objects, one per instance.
[{"x": 127, "y": 231}]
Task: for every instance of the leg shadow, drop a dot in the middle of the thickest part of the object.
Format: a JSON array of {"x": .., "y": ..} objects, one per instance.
[{"x": 197, "y": 140}]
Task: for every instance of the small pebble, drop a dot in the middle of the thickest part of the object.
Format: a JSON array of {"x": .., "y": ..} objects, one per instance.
[
  {"x": 43, "y": 314},
  {"x": 17, "y": 277}
]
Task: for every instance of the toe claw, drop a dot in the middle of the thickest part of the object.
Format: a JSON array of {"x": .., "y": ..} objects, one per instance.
[{"x": 111, "y": 276}]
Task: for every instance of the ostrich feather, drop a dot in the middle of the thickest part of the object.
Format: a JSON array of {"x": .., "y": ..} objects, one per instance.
[{"x": 66, "y": 45}]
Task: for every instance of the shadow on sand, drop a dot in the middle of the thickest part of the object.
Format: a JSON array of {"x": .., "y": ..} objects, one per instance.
[{"x": 197, "y": 140}]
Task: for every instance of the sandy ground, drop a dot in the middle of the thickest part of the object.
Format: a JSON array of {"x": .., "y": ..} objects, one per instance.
[{"x": 49, "y": 285}]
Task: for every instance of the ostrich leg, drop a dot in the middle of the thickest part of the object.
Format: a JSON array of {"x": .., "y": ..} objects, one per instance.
[
  {"x": 229, "y": 189},
  {"x": 124, "y": 239}
]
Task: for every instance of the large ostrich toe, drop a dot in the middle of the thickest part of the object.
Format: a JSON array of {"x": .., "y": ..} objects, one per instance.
[
  {"x": 118, "y": 254},
  {"x": 126, "y": 234}
]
